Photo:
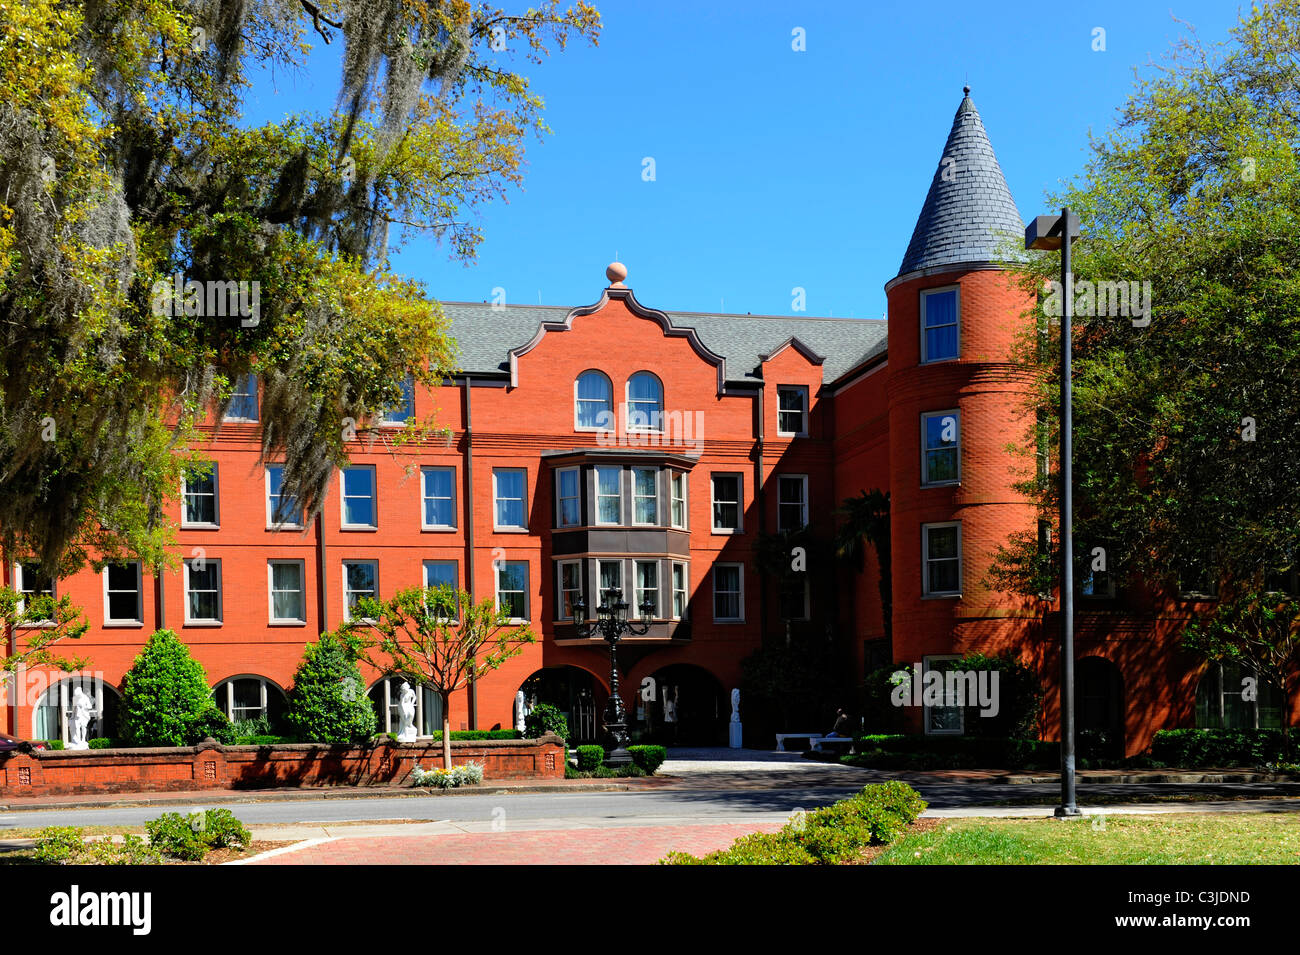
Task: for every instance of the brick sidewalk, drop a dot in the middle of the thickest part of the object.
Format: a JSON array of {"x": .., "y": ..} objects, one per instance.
[{"x": 639, "y": 845}]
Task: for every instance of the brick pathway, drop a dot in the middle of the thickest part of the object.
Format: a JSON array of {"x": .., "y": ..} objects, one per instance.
[{"x": 637, "y": 845}]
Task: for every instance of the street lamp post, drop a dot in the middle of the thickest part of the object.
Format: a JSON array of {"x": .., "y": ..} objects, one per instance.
[
  {"x": 612, "y": 623},
  {"x": 1056, "y": 232}
]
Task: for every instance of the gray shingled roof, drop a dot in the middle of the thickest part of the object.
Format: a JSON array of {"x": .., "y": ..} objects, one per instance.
[
  {"x": 969, "y": 214},
  {"x": 485, "y": 334}
]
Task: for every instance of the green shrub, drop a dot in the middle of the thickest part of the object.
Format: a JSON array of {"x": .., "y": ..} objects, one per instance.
[
  {"x": 590, "y": 757},
  {"x": 758, "y": 849},
  {"x": 224, "y": 830},
  {"x": 328, "y": 702},
  {"x": 647, "y": 757},
  {"x": 892, "y": 751},
  {"x": 1210, "y": 747},
  {"x": 132, "y": 850},
  {"x": 546, "y": 718},
  {"x": 261, "y": 740},
  {"x": 191, "y": 837},
  {"x": 477, "y": 735},
  {"x": 254, "y": 726},
  {"x": 58, "y": 844},
  {"x": 166, "y": 700},
  {"x": 468, "y": 774},
  {"x": 101, "y": 742},
  {"x": 53, "y": 744}
]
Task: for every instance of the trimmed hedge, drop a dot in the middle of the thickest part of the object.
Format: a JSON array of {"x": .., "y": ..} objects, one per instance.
[
  {"x": 920, "y": 752},
  {"x": 1205, "y": 747},
  {"x": 478, "y": 735},
  {"x": 590, "y": 757},
  {"x": 101, "y": 742},
  {"x": 166, "y": 700},
  {"x": 648, "y": 757},
  {"x": 832, "y": 836}
]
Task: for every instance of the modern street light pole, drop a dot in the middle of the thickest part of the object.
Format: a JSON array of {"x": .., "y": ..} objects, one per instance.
[
  {"x": 611, "y": 623},
  {"x": 1056, "y": 232}
]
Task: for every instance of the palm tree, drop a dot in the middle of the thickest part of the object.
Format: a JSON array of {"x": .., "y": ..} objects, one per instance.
[{"x": 866, "y": 518}]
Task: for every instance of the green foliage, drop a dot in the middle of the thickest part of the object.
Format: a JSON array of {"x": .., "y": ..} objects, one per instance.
[
  {"x": 478, "y": 735},
  {"x": 590, "y": 757},
  {"x": 545, "y": 718},
  {"x": 166, "y": 700},
  {"x": 267, "y": 740},
  {"x": 59, "y": 619},
  {"x": 327, "y": 702},
  {"x": 101, "y": 742},
  {"x": 53, "y": 744},
  {"x": 866, "y": 518},
  {"x": 255, "y": 726},
  {"x": 794, "y": 687},
  {"x": 191, "y": 837},
  {"x": 58, "y": 844},
  {"x": 466, "y": 774},
  {"x": 921, "y": 752},
  {"x": 1207, "y": 748},
  {"x": 67, "y": 845},
  {"x": 647, "y": 757}
]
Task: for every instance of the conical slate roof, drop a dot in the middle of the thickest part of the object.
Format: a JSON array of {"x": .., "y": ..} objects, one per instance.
[{"x": 969, "y": 214}]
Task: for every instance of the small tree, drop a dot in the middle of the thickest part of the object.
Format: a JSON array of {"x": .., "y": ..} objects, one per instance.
[
  {"x": 439, "y": 637},
  {"x": 1259, "y": 631},
  {"x": 166, "y": 700},
  {"x": 327, "y": 702},
  {"x": 58, "y": 620},
  {"x": 866, "y": 518}
]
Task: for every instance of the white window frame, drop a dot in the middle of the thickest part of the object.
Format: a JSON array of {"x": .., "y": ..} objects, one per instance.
[
  {"x": 925, "y": 560},
  {"x": 802, "y": 480},
  {"x": 254, "y": 394},
  {"x": 740, "y": 577},
  {"x": 926, "y": 480},
  {"x": 678, "y": 479},
  {"x": 638, "y": 496},
  {"x": 271, "y": 618},
  {"x": 455, "y": 584},
  {"x": 802, "y": 392},
  {"x": 347, "y": 606},
  {"x": 408, "y": 387},
  {"x": 600, "y": 577},
  {"x": 425, "y": 497},
  {"x": 610, "y": 409},
  {"x": 595, "y": 472},
  {"x": 657, "y": 427},
  {"x": 739, "y": 502},
  {"x": 497, "y": 568},
  {"x": 203, "y": 621},
  {"x": 271, "y": 525},
  {"x": 635, "y": 609},
  {"x": 138, "y": 619},
  {"x": 560, "y": 497},
  {"x": 523, "y": 501},
  {"x": 20, "y": 585},
  {"x": 344, "y": 496},
  {"x": 215, "y": 475},
  {"x": 560, "y": 565},
  {"x": 684, "y": 590},
  {"x": 925, "y": 293},
  {"x": 228, "y": 703},
  {"x": 925, "y": 709}
]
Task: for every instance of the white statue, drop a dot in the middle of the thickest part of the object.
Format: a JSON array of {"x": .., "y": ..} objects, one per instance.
[
  {"x": 406, "y": 707},
  {"x": 83, "y": 707},
  {"x": 670, "y": 706},
  {"x": 735, "y": 732},
  {"x": 521, "y": 711},
  {"x": 735, "y": 706}
]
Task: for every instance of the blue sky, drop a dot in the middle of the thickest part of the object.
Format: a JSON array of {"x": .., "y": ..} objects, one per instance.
[{"x": 776, "y": 168}]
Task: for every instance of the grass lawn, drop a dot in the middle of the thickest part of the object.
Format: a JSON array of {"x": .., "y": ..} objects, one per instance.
[{"x": 1173, "y": 839}]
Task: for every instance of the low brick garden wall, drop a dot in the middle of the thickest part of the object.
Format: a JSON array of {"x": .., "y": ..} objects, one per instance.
[{"x": 210, "y": 765}]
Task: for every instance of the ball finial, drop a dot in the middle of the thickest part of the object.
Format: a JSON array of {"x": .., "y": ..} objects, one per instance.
[
  {"x": 966, "y": 89},
  {"x": 616, "y": 272}
]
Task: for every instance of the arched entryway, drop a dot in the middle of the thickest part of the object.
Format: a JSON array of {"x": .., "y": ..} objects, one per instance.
[
  {"x": 249, "y": 699},
  {"x": 1099, "y": 708},
  {"x": 50, "y": 719},
  {"x": 575, "y": 693},
  {"x": 689, "y": 708}
]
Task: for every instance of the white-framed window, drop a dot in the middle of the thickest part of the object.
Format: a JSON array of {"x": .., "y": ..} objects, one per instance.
[
  {"x": 243, "y": 402},
  {"x": 404, "y": 410},
  {"x": 247, "y": 698},
  {"x": 360, "y": 579},
  {"x": 794, "y": 598},
  {"x": 946, "y": 720},
  {"x": 593, "y": 402},
  {"x": 647, "y": 587},
  {"x": 280, "y": 511},
  {"x": 941, "y": 559},
  {"x": 440, "y": 574},
  {"x": 609, "y": 495},
  {"x": 645, "y": 496},
  {"x": 509, "y": 490},
  {"x": 568, "y": 497},
  {"x": 202, "y": 591},
  {"x": 123, "y": 595},
  {"x": 940, "y": 332},
  {"x": 728, "y": 593},
  {"x": 512, "y": 589},
  {"x": 570, "y": 581},
  {"x": 286, "y": 584},
  {"x": 386, "y": 695},
  {"x": 200, "y": 500},
  {"x": 645, "y": 402},
  {"x": 438, "y": 492},
  {"x": 728, "y": 503},
  {"x": 681, "y": 585},
  {"x": 677, "y": 490},
  {"x": 791, "y": 502},
  {"x": 360, "y": 509},
  {"x": 941, "y": 447},
  {"x": 792, "y": 411},
  {"x": 30, "y": 582},
  {"x": 610, "y": 573}
]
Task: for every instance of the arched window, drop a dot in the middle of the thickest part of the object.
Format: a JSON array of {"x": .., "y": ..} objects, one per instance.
[
  {"x": 249, "y": 698},
  {"x": 386, "y": 697},
  {"x": 50, "y": 719},
  {"x": 593, "y": 401},
  {"x": 645, "y": 402},
  {"x": 1231, "y": 697}
]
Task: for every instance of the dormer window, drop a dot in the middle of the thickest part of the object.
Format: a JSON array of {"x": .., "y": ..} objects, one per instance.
[
  {"x": 645, "y": 402},
  {"x": 593, "y": 402},
  {"x": 939, "y": 325}
]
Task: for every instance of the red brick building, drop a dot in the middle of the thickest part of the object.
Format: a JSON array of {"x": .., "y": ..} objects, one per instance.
[{"x": 616, "y": 444}]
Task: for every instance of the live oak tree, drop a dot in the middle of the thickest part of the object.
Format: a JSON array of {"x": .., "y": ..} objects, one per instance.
[
  {"x": 1185, "y": 427},
  {"x": 439, "y": 638},
  {"x": 127, "y": 164}
]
